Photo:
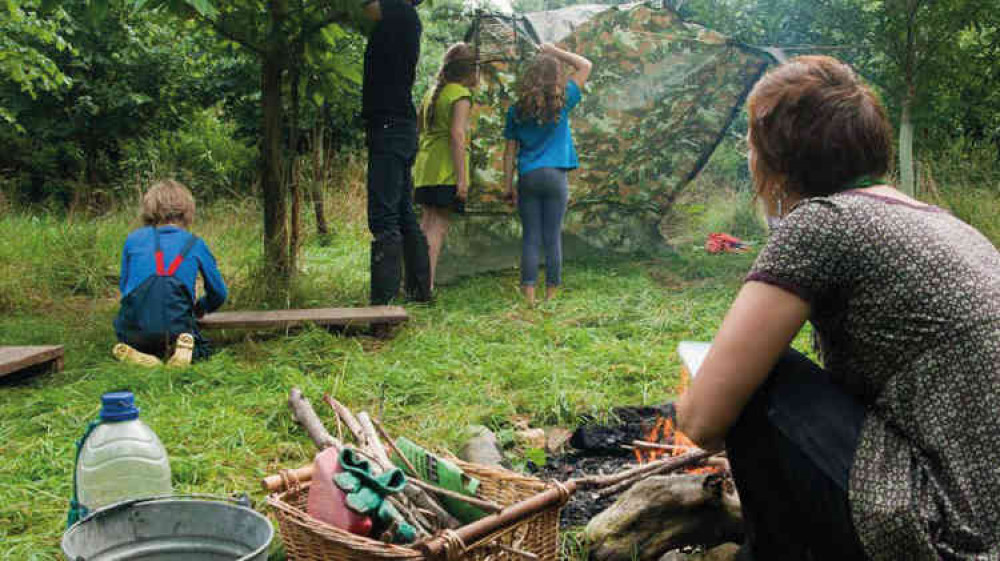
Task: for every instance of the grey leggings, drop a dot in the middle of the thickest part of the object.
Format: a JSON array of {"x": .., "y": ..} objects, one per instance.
[{"x": 541, "y": 202}]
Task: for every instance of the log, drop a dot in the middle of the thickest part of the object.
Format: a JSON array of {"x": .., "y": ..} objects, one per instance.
[
  {"x": 664, "y": 513},
  {"x": 275, "y": 483},
  {"x": 306, "y": 416}
]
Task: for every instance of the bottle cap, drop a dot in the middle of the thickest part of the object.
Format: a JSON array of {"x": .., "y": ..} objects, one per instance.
[{"x": 118, "y": 406}]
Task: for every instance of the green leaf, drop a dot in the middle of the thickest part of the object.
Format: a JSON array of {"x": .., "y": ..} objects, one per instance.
[
  {"x": 536, "y": 455},
  {"x": 204, "y": 7}
]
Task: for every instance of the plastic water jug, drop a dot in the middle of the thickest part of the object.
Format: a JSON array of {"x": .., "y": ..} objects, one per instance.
[{"x": 122, "y": 458}]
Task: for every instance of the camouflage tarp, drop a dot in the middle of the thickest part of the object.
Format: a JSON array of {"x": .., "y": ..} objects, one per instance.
[{"x": 660, "y": 98}]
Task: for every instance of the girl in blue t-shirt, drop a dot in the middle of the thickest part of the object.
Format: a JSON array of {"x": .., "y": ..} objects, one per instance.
[
  {"x": 160, "y": 264},
  {"x": 537, "y": 132}
]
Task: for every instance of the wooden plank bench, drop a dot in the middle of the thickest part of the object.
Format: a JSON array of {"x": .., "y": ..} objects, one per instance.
[
  {"x": 281, "y": 319},
  {"x": 30, "y": 360}
]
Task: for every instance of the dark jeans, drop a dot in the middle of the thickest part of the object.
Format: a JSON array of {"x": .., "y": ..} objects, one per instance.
[
  {"x": 541, "y": 201},
  {"x": 791, "y": 453},
  {"x": 392, "y": 147}
]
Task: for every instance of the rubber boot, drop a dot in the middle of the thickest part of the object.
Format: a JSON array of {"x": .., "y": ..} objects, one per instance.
[
  {"x": 418, "y": 267},
  {"x": 385, "y": 271}
]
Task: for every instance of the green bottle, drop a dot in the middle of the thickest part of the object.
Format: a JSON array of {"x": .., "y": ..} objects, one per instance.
[{"x": 442, "y": 473}]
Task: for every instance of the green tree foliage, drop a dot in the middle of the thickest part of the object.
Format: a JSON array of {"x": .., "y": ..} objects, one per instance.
[
  {"x": 276, "y": 33},
  {"x": 934, "y": 60},
  {"x": 129, "y": 75},
  {"x": 28, "y": 39}
]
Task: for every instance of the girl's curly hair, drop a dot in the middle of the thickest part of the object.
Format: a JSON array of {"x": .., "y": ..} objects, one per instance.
[{"x": 541, "y": 91}]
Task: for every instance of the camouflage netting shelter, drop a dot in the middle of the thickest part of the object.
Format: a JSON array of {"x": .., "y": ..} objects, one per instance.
[{"x": 661, "y": 96}]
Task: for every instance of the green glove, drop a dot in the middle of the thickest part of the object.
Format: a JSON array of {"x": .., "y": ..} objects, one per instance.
[{"x": 366, "y": 493}]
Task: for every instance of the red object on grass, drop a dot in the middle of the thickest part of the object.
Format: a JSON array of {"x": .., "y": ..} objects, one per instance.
[
  {"x": 327, "y": 502},
  {"x": 718, "y": 242}
]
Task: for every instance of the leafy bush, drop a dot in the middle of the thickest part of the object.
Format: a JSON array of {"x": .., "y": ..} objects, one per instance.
[{"x": 205, "y": 155}]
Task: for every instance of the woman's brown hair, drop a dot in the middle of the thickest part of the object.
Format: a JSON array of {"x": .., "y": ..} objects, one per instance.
[
  {"x": 168, "y": 202},
  {"x": 815, "y": 129},
  {"x": 541, "y": 91},
  {"x": 459, "y": 65}
]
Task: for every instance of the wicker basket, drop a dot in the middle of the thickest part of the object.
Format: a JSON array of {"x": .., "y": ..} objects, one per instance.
[{"x": 308, "y": 539}]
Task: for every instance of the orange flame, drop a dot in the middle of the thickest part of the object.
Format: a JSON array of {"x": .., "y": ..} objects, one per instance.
[{"x": 664, "y": 432}]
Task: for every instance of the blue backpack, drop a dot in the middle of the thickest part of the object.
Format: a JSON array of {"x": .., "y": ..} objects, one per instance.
[{"x": 159, "y": 309}]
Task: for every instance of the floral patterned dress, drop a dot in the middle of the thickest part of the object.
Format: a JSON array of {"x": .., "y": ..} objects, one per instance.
[{"x": 905, "y": 300}]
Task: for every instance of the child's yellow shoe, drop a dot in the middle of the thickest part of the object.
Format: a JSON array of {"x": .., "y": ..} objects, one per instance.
[
  {"x": 125, "y": 353},
  {"x": 183, "y": 348}
]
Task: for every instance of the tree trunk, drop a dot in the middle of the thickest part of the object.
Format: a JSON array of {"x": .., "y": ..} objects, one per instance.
[
  {"x": 319, "y": 173},
  {"x": 906, "y": 175},
  {"x": 293, "y": 169},
  {"x": 272, "y": 184}
]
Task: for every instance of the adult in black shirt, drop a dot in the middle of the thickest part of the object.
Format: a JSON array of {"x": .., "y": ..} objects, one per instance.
[{"x": 387, "y": 106}]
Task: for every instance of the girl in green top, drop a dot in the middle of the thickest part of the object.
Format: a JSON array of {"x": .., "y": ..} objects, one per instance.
[{"x": 441, "y": 170}]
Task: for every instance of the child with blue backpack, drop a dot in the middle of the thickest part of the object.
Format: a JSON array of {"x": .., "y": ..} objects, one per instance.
[{"x": 160, "y": 264}]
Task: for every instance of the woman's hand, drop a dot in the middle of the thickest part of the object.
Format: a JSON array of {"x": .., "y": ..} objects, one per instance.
[
  {"x": 549, "y": 49},
  {"x": 760, "y": 325},
  {"x": 462, "y": 190}
]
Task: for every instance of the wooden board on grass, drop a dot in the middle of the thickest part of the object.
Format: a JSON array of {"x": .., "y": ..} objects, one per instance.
[
  {"x": 16, "y": 359},
  {"x": 280, "y": 319}
]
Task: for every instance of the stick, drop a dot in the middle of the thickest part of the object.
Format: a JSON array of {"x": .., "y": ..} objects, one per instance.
[
  {"x": 344, "y": 414},
  {"x": 372, "y": 441},
  {"x": 663, "y": 467},
  {"x": 602, "y": 481},
  {"x": 419, "y": 497},
  {"x": 657, "y": 446},
  {"x": 488, "y": 506},
  {"x": 306, "y": 416},
  {"x": 395, "y": 450}
]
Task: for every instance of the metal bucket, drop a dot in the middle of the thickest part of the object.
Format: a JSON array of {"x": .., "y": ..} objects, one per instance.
[{"x": 176, "y": 528}]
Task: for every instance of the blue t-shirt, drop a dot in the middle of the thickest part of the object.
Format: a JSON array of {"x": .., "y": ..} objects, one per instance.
[
  {"x": 139, "y": 263},
  {"x": 548, "y": 145}
]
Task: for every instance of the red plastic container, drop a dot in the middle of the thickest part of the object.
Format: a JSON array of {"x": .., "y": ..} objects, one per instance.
[{"x": 327, "y": 501}]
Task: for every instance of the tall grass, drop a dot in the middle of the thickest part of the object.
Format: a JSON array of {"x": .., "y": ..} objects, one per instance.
[{"x": 964, "y": 177}]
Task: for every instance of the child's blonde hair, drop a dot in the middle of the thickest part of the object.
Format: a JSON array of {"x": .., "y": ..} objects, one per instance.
[{"x": 168, "y": 202}]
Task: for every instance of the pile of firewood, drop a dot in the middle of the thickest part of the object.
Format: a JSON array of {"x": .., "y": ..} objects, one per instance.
[{"x": 418, "y": 503}]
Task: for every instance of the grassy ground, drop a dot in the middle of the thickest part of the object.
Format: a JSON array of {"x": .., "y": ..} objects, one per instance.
[{"x": 478, "y": 355}]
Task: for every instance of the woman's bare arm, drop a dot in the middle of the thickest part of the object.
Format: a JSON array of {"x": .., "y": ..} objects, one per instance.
[
  {"x": 460, "y": 111},
  {"x": 760, "y": 325},
  {"x": 581, "y": 66}
]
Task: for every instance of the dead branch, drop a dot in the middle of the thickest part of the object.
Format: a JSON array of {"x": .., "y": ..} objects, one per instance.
[
  {"x": 306, "y": 416},
  {"x": 419, "y": 497},
  {"x": 657, "y": 446},
  {"x": 345, "y": 415},
  {"x": 665, "y": 466}
]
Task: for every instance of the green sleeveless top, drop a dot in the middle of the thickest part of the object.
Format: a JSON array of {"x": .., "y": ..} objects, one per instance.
[{"x": 434, "y": 165}]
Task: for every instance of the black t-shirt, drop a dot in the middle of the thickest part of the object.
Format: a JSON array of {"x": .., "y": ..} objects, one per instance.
[{"x": 391, "y": 62}]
